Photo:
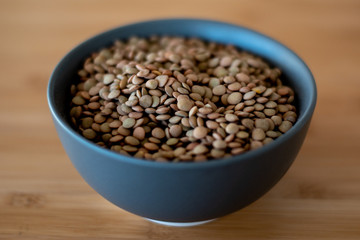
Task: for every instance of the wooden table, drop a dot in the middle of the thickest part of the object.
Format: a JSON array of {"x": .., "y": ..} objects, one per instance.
[{"x": 43, "y": 197}]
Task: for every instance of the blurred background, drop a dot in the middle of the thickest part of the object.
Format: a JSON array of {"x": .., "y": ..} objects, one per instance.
[{"x": 41, "y": 194}]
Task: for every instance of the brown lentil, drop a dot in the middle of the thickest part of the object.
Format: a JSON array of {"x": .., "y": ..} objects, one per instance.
[
  {"x": 200, "y": 132},
  {"x": 285, "y": 126},
  {"x": 116, "y": 138},
  {"x": 184, "y": 103},
  {"x": 152, "y": 84},
  {"x": 271, "y": 134},
  {"x": 145, "y": 101},
  {"x": 219, "y": 90},
  {"x": 262, "y": 123},
  {"x": 212, "y": 124},
  {"x": 232, "y": 128},
  {"x": 172, "y": 141},
  {"x": 234, "y": 86},
  {"x": 234, "y": 98},
  {"x": 89, "y": 134},
  {"x": 151, "y": 146},
  {"x": 258, "y": 134},
  {"x": 249, "y": 95},
  {"x": 219, "y": 144},
  {"x": 231, "y": 117},
  {"x": 128, "y": 123},
  {"x": 139, "y": 133},
  {"x": 242, "y": 135},
  {"x": 123, "y": 131},
  {"x": 158, "y": 133},
  {"x": 175, "y": 130},
  {"x": 132, "y": 141}
]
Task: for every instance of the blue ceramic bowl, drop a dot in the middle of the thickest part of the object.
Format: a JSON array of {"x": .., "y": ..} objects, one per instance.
[{"x": 184, "y": 192}]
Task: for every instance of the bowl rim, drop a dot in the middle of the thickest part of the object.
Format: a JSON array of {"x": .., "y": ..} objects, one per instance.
[{"x": 301, "y": 121}]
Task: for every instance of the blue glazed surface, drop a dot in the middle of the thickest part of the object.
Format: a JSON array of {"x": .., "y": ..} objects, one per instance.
[{"x": 184, "y": 192}]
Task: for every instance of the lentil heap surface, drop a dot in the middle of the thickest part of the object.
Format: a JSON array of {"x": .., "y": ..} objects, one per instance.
[{"x": 177, "y": 99}]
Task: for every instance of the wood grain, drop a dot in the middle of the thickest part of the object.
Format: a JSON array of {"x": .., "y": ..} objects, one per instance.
[{"x": 43, "y": 197}]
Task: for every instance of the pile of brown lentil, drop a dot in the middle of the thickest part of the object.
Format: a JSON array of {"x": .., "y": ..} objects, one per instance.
[{"x": 177, "y": 99}]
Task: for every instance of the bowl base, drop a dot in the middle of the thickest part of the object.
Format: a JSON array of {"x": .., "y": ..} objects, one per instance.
[{"x": 179, "y": 224}]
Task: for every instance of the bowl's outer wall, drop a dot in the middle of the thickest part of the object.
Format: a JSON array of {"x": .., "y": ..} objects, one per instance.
[
  {"x": 184, "y": 194},
  {"x": 181, "y": 195}
]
